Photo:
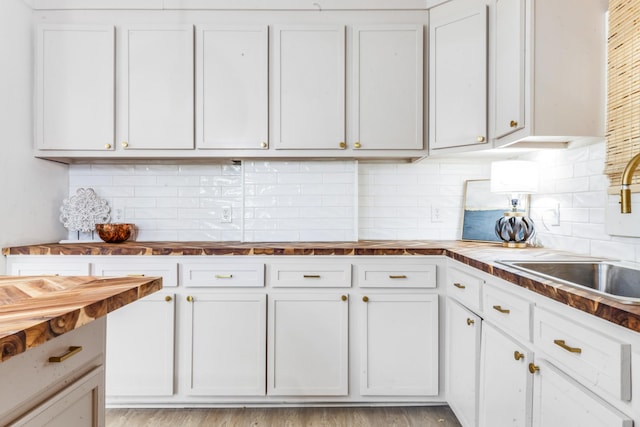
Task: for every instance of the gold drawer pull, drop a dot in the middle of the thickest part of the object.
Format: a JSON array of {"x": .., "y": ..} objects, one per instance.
[
  {"x": 561, "y": 343},
  {"x": 135, "y": 275},
  {"x": 533, "y": 368},
  {"x": 501, "y": 310},
  {"x": 224, "y": 276},
  {"x": 517, "y": 355},
  {"x": 459, "y": 286},
  {"x": 400, "y": 276},
  {"x": 311, "y": 276},
  {"x": 470, "y": 321},
  {"x": 73, "y": 350}
]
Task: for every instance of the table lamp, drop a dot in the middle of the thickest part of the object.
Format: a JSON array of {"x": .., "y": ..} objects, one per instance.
[{"x": 516, "y": 179}]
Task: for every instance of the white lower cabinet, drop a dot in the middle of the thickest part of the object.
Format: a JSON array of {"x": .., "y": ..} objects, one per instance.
[
  {"x": 399, "y": 345},
  {"x": 140, "y": 348},
  {"x": 505, "y": 384},
  {"x": 462, "y": 359},
  {"x": 560, "y": 401},
  {"x": 308, "y": 344},
  {"x": 224, "y": 344}
]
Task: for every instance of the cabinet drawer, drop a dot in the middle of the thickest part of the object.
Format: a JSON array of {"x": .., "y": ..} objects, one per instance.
[
  {"x": 167, "y": 270},
  {"x": 29, "y": 378},
  {"x": 50, "y": 268},
  {"x": 402, "y": 276},
  {"x": 507, "y": 311},
  {"x": 464, "y": 287},
  {"x": 593, "y": 359},
  {"x": 310, "y": 274},
  {"x": 222, "y": 274}
]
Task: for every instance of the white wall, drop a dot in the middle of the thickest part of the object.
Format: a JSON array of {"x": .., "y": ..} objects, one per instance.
[{"x": 31, "y": 190}]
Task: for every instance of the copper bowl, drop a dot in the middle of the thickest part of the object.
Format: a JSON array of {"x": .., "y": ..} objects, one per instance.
[{"x": 115, "y": 233}]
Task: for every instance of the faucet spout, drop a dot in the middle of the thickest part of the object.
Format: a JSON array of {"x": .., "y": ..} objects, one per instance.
[{"x": 625, "y": 188}]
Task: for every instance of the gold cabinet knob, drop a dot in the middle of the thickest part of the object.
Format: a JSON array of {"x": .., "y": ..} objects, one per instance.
[
  {"x": 168, "y": 298},
  {"x": 517, "y": 355},
  {"x": 107, "y": 146},
  {"x": 513, "y": 123},
  {"x": 263, "y": 144},
  {"x": 470, "y": 321},
  {"x": 533, "y": 368},
  {"x": 356, "y": 145},
  {"x": 342, "y": 145},
  {"x": 365, "y": 298},
  {"x": 124, "y": 144},
  {"x": 344, "y": 298},
  {"x": 189, "y": 298},
  {"x": 480, "y": 139}
]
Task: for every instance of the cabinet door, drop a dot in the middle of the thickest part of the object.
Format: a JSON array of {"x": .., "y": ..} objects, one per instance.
[
  {"x": 75, "y": 87},
  {"x": 140, "y": 348},
  {"x": 560, "y": 401},
  {"x": 463, "y": 355},
  {"x": 388, "y": 87},
  {"x": 308, "y": 344},
  {"x": 226, "y": 340},
  {"x": 81, "y": 404},
  {"x": 509, "y": 66},
  {"x": 231, "y": 91},
  {"x": 399, "y": 339},
  {"x": 505, "y": 383},
  {"x": 157, "y": 93},
  {"x": 308, "y": 87},
  {"x": 458, "y": 74}
]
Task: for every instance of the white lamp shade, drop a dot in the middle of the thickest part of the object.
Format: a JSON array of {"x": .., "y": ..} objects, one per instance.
[{"x": 514, "y": 176}]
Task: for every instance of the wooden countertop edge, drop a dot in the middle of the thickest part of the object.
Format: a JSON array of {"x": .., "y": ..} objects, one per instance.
[{"x": 44, "y": 327}]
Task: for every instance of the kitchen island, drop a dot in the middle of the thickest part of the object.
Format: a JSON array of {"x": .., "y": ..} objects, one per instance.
[{"x": 52, "y": 342}]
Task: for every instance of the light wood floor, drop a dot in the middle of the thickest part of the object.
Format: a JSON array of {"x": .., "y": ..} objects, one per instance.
[{"x": 432, "y": 416}]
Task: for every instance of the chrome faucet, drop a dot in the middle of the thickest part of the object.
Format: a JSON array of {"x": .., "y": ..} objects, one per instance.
[{"x": 625, "y": 188}]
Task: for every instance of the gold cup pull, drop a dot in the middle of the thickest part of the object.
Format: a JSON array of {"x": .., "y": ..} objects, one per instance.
[
  {"x": 189, "y": 298},
  {"x": 517, "y": 355},
  {"x": 513, "y": 123},
  {"x": 480, "y": 138},
  {"x": 501, "y": 310},
  {"x": 344, "y": 298},
  {"x": 459, "y": 285},
  {"x": 561, "y": 343},
  {"x": 342, "y": 145},
  {"x": 470, "y": 321},
  {"x": 365, "y": 298},
  {"x": 533, "y": 368},
  {"x": 356, "y": 145},
  {"x": 73, "y": 350}
]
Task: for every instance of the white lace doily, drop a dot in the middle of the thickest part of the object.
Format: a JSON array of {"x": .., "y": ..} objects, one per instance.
[{"x": 84, "y": 210}]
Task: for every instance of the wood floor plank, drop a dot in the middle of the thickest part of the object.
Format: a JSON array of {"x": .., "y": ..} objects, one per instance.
[{"x": 427, "y": 416}]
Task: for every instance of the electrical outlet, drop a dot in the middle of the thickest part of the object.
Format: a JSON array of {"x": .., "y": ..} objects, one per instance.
[
  {"x": 226, "y": 214},
  {"x": 436, "y": 215}
]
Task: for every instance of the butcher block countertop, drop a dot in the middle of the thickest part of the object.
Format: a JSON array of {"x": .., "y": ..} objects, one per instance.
[
  {"x": 479, "y": 255},
  {"x": 36, "y": 309}
]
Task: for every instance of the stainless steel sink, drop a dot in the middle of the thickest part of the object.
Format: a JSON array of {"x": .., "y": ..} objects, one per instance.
[{"x": 608, "y": 278}]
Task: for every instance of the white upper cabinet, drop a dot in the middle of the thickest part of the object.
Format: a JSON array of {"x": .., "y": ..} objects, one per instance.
[
  {"x": 550, "y": 66},
  {"x": 75, "y": 87},
  {"x": 388, "y": 87},
  {"x": 458, "y": 74},
  {"x": 309, "y": 87},
  {"x": 156, "y": 100},
  {"x": 232, "y": 87}
]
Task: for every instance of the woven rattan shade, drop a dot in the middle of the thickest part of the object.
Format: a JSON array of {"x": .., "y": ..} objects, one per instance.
[{"x": 623, "y": 104}]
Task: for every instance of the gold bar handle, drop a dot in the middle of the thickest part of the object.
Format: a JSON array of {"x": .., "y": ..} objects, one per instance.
[
  {"x": 501, "y": 310},
  {"x": 73, "y": 350},
  {"x": 224, "y": 276},
  {"x": 400, "y": 276},
  {"x": 459, "y": 286},
  {"x": 311, "y": 276},
  {"x": 561, "y": 343},
  {"x": 135, "y": 275}
]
